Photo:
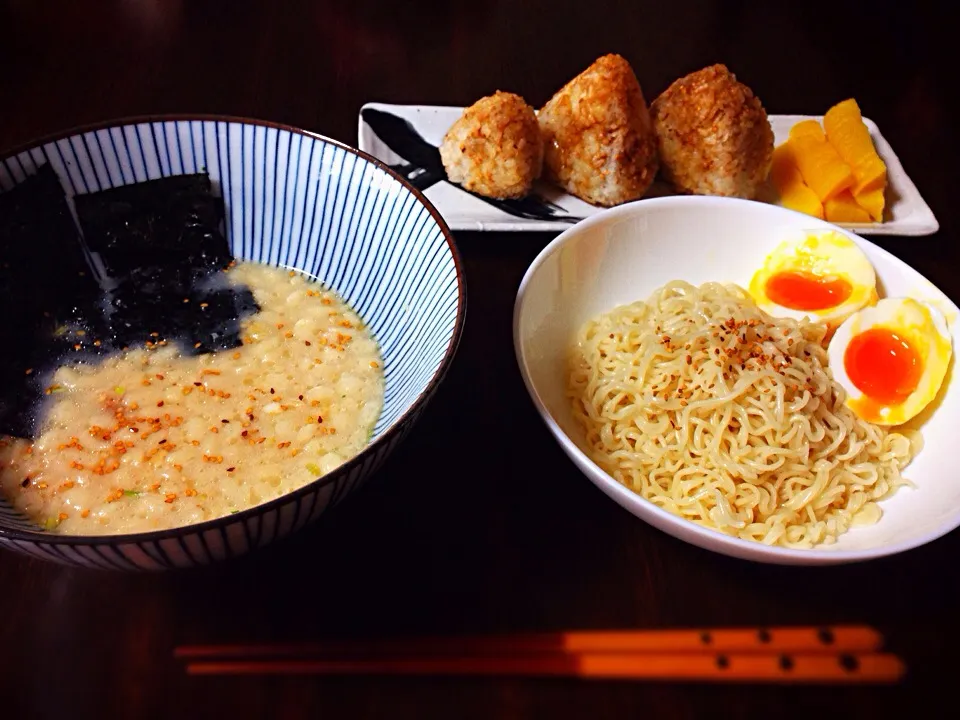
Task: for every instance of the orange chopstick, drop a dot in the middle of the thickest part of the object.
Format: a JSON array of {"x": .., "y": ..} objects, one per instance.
[
  {"x": 712, "y": 667},
  {"x": 831, "y": 639}
]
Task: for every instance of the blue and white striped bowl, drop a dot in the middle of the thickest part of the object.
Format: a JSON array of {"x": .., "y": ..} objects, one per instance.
[{"x": 297, "y": 200}]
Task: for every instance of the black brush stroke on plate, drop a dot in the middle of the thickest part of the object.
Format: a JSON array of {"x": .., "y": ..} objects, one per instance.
[{"x": 424, "y": 168}]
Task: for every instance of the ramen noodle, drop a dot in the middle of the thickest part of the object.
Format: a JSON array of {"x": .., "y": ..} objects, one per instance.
[{"x": 717, "y": 412}]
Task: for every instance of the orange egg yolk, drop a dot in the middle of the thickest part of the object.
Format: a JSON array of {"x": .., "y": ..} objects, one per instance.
[
  {"x": 883, "y": 365},
  {"x": 801, "y": 290}
]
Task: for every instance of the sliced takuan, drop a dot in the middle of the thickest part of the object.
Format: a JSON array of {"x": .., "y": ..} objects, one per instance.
[
  {"x": 807, "y": 127},
  {"x": 847, "y": 132},
  {"x": 820, "y": 164},
  {"x": 873, "y": 202},
  {"x": 843, "y": 208},
  {"x": 793, "y": 191}
]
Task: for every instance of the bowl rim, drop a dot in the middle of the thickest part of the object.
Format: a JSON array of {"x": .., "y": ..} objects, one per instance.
[
  {"x": 706, "y": 538},
  {"x": 41, "y": 537}
]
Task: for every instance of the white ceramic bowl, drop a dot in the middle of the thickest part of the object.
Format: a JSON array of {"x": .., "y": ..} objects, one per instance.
[{"x": 622, "y": 255}]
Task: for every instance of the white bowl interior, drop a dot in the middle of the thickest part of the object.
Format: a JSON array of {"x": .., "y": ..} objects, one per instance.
[{"x": 623, "y": 255}]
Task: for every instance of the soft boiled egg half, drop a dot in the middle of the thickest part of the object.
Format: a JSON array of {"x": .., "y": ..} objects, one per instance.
[
  {"x": 891, "y": 359},
  {"x": 823, "y": 276}
]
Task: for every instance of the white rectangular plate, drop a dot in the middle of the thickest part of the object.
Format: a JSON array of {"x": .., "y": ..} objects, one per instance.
[{"x": 406, "y": 137}]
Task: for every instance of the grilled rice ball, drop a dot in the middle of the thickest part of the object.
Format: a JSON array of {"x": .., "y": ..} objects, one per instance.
[
  {"x": 599, "y": 142},
  {"x": 494, "y": 148},
  {"x": 713, "y": 134}
]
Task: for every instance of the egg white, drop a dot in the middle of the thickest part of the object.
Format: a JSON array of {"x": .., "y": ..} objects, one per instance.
[
  {"x": 924, "y": 326},
  {"x": 822, "y": 254}
]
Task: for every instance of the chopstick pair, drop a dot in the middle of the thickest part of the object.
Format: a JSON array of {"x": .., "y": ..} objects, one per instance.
[{"x": 842, "y": 654}]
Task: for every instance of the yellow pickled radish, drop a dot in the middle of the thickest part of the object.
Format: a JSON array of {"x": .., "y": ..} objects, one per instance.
[
  {"x": 821, "y": 166},
  {"x": 847, "y": 132},
  {"x": 843, "y": 208},
  {"x": 873, "y": 202},
  {"x": 807, "y": 127},
  {"x": 788, "y": 182}
]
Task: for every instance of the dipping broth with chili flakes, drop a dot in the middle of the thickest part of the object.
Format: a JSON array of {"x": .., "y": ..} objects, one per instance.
[{"x": 154, "y": 438}]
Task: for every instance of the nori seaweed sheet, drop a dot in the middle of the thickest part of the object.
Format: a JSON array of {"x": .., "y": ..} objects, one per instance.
[
  {"x": 168, "y": 222},
  {"x": 157, "y": 240},
  {"x": 44, "y": 266},
  {"x": 217, "y": 324},
  {"x": 148, "y": 305},
  {"x": 44, "y": 276},
  {"x": 161, "y": 247}
]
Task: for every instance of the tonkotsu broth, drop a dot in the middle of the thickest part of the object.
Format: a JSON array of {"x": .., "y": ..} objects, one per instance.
[{"x": 153, "y": 438}]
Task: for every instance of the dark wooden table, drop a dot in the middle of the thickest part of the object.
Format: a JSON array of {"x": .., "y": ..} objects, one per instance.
[{"x": 478, "y": 523}]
